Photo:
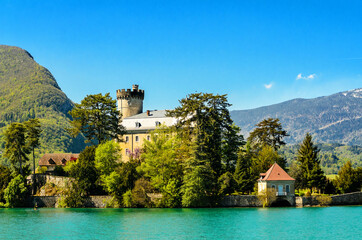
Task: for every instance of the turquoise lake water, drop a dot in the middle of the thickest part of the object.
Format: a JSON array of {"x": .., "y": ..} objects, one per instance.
[{"x": 216, "y": 223}]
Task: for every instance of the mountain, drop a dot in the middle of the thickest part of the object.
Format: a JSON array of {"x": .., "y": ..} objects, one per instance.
[
  {"x": 330, "y": 119},
  {"x": 28, "y": 90}
]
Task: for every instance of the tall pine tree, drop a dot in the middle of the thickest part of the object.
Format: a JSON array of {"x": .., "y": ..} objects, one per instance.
[{"x": 313, "y": 176}]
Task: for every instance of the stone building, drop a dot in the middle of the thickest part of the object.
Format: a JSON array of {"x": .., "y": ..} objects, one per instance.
[
  {"x": 276, "y": 178},
  {"x": 137, "y": 123}
]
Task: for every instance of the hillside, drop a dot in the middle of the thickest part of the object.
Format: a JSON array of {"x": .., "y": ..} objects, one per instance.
[
  {"x": 28, "y": 90},
  {"x": 332, "y": 156},
  {"x": 331, "y": 119}
]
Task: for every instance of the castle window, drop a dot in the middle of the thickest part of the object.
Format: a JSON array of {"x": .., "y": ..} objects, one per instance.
[
  {"x": 127, "y": 139},
  {"x": 127, "y": 152},
  {"x": 148, "y": 137},
  {"x": 157, "y": 123},
  {"x": 137, "y": 138},
  {"x": 138, "y": 124}
]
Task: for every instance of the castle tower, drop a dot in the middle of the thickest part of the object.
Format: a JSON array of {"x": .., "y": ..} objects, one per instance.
[{"x": 130, "y": 102}]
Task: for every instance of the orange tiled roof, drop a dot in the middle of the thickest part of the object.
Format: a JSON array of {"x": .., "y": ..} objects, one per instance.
[{"x": 275, "y": 173}]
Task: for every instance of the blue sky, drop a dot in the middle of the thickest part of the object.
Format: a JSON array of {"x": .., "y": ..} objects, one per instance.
[{"x": 257, "y": 52}]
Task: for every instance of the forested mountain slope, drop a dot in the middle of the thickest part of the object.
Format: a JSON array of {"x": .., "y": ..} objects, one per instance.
[
  {"x": 331, "y": 119},
  {"x": 28, "y": 90}
]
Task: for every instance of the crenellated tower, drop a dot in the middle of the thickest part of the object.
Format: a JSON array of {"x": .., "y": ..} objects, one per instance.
[{"x": 130, "y": 102}]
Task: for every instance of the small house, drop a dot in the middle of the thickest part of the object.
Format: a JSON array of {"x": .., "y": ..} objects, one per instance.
[
  {"x": 276, "y": 178},
  {"x": 51, "y": 160}
]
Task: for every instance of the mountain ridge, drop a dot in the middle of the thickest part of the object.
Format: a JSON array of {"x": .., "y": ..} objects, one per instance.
[
  {"x": 333, "y": 118},
  {"x": 29, "y": 90}
]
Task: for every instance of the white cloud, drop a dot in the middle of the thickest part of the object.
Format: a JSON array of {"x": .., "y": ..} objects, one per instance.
[
  {"x": 309, "y": 77},
  {"x": 268, "y": 86}
]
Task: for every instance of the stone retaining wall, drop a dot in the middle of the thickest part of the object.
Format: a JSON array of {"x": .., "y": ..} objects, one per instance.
[
  {"x": 52, "y": 201},
  {"x": 241, "y": 201},
  {"x": 342, "y": 199},
  {"x": 347, "y": 199}
]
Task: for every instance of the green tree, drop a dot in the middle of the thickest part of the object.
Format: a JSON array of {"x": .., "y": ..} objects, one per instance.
[
  {"x": 33, "y": 130},
  {"x": 121, "y": 180},
  {"x": 313, "y": 176},
  {"x": 107, "y": 157},
  {"x": 207, "y": 118},
  {"x": 243, "y": 174},
  {"x": 163, "y": 164},
  {"x": 232, "y": 141},
  {"x": 83, "y": 170},
  {"x": 16, "y": 192},
  {"x": 97, "y": 118},
  {"x": 348, "y": 179},
  {"x": 5, "y": 178},
  {"x": 268, "y": 132},
  {"x": 15, "y": 146}
]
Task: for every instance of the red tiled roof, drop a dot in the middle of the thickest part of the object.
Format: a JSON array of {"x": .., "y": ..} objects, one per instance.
[
  {"x": 49, "y": 159},
  {"x": 275, "y": 173}
]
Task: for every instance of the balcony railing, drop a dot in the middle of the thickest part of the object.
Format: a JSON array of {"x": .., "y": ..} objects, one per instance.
[{"x": 281, "y": 193}]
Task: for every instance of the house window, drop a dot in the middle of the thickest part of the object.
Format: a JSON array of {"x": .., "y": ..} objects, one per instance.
[
  {"x": 51, "y": 161},
  {"x": 127, "y": 152},
  {"x": 127, "y": 139},
  {"x": 157, "y": 123},
  {"x": 148, "y": 138},
  {"x": 64, "y": 161},
  {"x": 273, "y": 186},
  {"x": 137, "y": 139},
  {"x": 287, "y": 188},
  {"x": 138, "y": 124}
]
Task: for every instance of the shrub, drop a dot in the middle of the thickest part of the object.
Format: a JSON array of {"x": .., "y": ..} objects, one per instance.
[
  {"x": 324, "y": 200},
  {"x": 267, "y": 197},
  {"x": 73, "y": 196},
  {"x": 127, "y": 199},
  {"x": 16, "y": 192}
]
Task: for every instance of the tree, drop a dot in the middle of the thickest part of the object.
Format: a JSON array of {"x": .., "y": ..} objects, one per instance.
[
  {"x": 232, "y": 141},
  {"x": 15, "y": 146},
  {"x": 265, "y": 158},
  {"x": 83, "y": 170},
  {"x": 348, "y": 179},
  {"x": 313, "y": 176},
  {"x": 97, "y": 118},
  {"x": 268, "y": 132},
  {"x": 163, "y": 164},
  {"x": 16, "y": 192},
  {"x": 207, "y": 118},
  {"x": 107, "y": 157},
  {"x": 5, "y": 178},
  {"x": 33, "y": 130},
  {"x": 243, "y": 174}
]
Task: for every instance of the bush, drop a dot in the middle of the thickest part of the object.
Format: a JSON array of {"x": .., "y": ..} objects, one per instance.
[
  {"x": 41, "y": 170},
  {"x": 139, "y": 193},
  {"x": 16, "y": 192},
  {"x": 73, "y": 196},
  {"x": 324, "y": 200},
  {"x": 267, "y": 197},
  {"x": 127, "y": 199}
]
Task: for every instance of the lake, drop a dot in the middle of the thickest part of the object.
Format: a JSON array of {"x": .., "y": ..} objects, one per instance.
[{"x": 216, "y": 223}]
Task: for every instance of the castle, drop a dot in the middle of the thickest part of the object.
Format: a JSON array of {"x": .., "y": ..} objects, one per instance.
[{"x": 138, "y": 124}]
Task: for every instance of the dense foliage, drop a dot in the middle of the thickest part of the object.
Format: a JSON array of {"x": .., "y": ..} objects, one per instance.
[{"x": 332, "y": 156}]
